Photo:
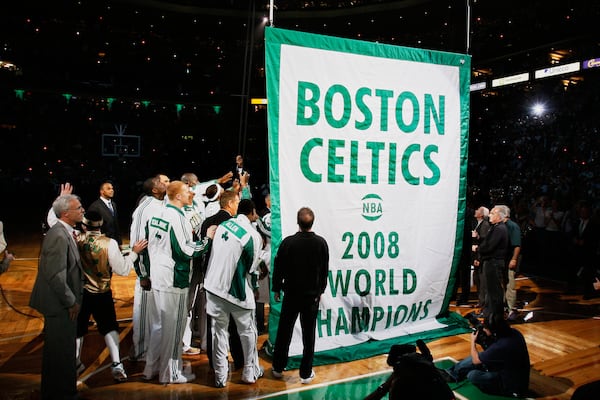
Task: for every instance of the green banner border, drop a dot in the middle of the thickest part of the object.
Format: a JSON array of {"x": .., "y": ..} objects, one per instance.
[{"x": 274, "y": 38}]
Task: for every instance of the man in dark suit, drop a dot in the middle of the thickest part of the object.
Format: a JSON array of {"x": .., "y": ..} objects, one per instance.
[
  {"x": 480, "y": 231},
  {"x": 463, "y": 271},
  {"x": 492, "y": 251},
  {"x": 57, "y": 294},
  {"x": 107, "y": 209}
]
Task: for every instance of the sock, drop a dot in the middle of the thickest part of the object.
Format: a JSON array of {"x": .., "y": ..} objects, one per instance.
[
  {"x": 112, "y": 342},
  {"x": 187, "y": 334},
  {"x": 78, "y": 347}
]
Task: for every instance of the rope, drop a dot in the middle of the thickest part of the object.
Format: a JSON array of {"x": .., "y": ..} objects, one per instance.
[{"x": 14, "y": 308}]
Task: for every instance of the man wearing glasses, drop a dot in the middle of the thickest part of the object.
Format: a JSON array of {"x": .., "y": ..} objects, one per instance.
[{"x": 57, "y": 294}]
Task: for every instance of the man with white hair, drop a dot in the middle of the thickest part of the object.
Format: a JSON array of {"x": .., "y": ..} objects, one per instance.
[
  {"x": 57, "y": 294},
  {"x": 492, "y": 251}
]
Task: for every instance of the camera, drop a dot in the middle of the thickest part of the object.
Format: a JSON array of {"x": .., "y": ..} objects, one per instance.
[
  {"x": 483, "y": 339},
  {"x": 415, "y": 375}
]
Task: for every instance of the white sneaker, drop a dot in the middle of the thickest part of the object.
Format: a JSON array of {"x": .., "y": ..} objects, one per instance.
[
  {"x": 220, "y": 384},
  {"x": 118, "y": 372},
  {"x": 309, "y": 379},
  {"x": 184, "y": 378},
  {"x": 277, "y": 374},
  {"x": 254, "y": 378}
]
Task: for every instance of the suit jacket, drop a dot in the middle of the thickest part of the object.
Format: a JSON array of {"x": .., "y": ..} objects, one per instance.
[
  {"x": 216, "y": 219},
  {"x": 59, "y": 282},
  {"x": 110, "y": 225},
  {"x": 482, "y": 229}
]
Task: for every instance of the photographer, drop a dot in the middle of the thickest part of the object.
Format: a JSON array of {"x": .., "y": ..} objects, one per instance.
[
  {"x": 415, "y": 376},
  {"x": 502, "y": 368}
]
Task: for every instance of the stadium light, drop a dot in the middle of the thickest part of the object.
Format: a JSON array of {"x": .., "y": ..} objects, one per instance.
[{"x": 538, "y": 109}]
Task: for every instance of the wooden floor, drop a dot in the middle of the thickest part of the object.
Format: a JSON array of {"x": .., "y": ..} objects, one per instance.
[{"x": 562, "y": 336}]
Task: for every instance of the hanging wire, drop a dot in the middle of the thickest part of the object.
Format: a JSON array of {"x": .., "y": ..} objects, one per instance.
[
  {"x": 468, "y": 36},
  {"x": 246, "y": 79}
]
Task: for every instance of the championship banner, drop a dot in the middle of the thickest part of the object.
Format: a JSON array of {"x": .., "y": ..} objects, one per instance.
[{"x": 373, "y": 138}]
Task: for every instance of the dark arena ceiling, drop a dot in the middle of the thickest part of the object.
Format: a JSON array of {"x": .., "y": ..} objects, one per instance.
[{"x": 197, "y": 49}]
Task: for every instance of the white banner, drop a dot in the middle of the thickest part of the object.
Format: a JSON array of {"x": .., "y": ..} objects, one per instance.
[{"x": 373, "y": 138}]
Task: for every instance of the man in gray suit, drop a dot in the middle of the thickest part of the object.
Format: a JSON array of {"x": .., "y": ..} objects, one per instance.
[{"x": 57, "y": 295}]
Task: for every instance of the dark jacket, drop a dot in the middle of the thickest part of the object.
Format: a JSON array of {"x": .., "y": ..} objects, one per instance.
[
  {"x": 495, "y": 244},
  {"x": 110, "y": 224},
  {"x": 301, "y": 265}
]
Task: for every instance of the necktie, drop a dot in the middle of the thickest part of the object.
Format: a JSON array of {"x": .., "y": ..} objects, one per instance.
[
  {"x": 582, "y": 225},
  {"x": 110, "y": 207},
  {"x": 74, "y": 233}
]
